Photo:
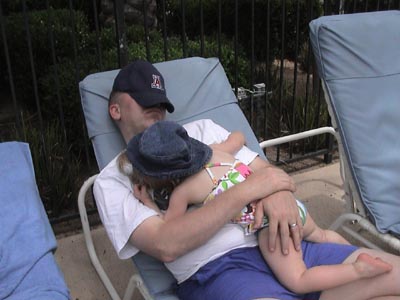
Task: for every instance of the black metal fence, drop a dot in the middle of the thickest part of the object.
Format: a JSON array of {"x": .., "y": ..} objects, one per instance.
[{"x": 47, "y": 47}]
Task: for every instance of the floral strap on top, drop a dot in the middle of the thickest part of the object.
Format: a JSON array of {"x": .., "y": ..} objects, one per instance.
[{"x": 237, "y": 173}]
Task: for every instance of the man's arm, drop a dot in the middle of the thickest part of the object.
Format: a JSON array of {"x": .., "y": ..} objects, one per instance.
[
  {"x": 281, "y": 209},
  {"x": 169, "y": 240}
]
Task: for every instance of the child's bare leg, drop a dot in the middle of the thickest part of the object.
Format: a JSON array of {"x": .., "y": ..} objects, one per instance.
[
  {"x": 313, "y": 233},
  {"x": 287, "y": 268},
  {"x": 383, "y": 286},
  {"x": 293, "y": 274}
]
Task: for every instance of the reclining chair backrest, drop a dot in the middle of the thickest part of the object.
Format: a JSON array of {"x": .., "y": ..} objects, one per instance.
[
  {"x": 358, "y": 60},
  {"x": 199, "y": 89}
]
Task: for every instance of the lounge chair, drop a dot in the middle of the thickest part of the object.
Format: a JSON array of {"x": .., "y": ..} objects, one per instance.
[
  {"x": 358, "y": 61},
  {"x": 28, "y": 269},
  {"x": 199, "y": 89}
]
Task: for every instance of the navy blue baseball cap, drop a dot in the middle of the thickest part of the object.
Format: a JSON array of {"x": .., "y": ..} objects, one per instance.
[{"x": 144, "y": 83}]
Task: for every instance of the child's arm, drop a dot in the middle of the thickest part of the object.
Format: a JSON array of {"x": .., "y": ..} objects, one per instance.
[
  {"x": 193, "y": 190},
  {"x": 232, "y": 144},
  {"x": 178, "y": 203}
]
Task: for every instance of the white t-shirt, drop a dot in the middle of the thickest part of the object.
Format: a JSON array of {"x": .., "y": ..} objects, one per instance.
[{"x": 121, "y": 212}]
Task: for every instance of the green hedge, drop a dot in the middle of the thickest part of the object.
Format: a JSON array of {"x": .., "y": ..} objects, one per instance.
[
  {"x": 40, "y": 23},
  {"x": 210, "y": 19},
  {"x": 59, "y": 163},
  {"x": 58, "y": 182}
]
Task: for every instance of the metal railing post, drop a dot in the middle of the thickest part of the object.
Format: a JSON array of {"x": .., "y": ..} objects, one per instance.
[{"x": 120, "y": 33}]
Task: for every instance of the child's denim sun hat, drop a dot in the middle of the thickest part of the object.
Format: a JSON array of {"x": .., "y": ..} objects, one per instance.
[{"x": 165, "y": 151}]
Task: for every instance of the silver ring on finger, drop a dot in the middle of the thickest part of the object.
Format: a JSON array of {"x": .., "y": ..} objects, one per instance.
[{"x": 293, "y": 225}]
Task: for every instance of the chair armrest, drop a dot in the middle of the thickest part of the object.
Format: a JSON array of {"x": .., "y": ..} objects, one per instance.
[
  {"x": 134, "y": 282},
  {"x": 297, "y": 136},
  {"x": 88, "y": 238}
]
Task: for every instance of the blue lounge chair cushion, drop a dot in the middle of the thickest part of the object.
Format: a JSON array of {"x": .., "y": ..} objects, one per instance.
[
  {"x": 28, "y": 269},
  {"x": 359, "y": 62},
  {"x": 197, "y": 87},
  {"x": 159, "y": 281}
]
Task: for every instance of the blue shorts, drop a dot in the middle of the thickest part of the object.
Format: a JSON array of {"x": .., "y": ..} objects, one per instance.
[{"x": 242, "y": 274}]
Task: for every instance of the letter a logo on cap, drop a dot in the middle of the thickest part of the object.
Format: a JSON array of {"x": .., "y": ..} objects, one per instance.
[{"x": 156, "y": 84}]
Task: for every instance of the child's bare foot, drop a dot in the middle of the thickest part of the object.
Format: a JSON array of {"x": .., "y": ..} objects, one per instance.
[{"x": 368, "y": 266}]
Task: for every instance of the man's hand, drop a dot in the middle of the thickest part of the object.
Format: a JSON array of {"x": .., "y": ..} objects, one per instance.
[
  {"x": 283, "y": 215},
  {"x": 265, "y": 182}
]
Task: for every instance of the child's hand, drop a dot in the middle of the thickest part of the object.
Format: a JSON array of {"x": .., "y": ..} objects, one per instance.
[
  {"x": 219, "y": 147},
  {"x": 141, "y": 193},
  {"x": 235, "y": 141}
]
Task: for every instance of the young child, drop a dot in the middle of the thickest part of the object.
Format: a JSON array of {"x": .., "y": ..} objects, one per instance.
[{"x": 179, "y": 171}]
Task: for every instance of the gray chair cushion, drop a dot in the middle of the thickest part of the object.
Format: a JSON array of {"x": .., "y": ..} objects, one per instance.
[
  {"x": 358, "y": 59},
  {"x": 28, "y": 269},
  {"x": 197, "y": 87},
  {"x": 159, "y": 281}
]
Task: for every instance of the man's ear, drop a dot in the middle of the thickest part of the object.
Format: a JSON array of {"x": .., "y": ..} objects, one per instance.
[{"x": 114, "y": 111}]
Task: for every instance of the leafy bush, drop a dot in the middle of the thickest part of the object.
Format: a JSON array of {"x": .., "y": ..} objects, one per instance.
[
  {"x": 137, "y": 50},
  {"x": 295, "y": 114},
  {"x": 13, "y": 6},
  {"x": 70, "y": 70},
  {"x": 210, "y": 19},
  {"x": 69, "y": 73},
  {"x": 355, "y": 6},
  {"x": 59, "y": 21},
  {"x": 57, "y": 168},
  {"x": 58, "y": 161}
]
